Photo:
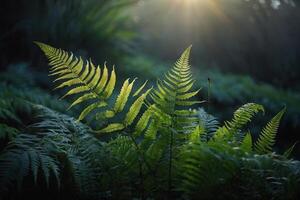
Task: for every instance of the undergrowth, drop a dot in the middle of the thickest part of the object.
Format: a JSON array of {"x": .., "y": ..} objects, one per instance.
[{"x": 149, "y": 143}]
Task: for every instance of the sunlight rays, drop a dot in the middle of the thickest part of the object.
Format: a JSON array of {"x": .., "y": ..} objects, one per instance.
[{"x": 196, "y": 7}]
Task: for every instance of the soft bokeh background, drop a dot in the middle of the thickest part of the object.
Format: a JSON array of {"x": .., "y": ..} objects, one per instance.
[{"x": 248, "y": 49}]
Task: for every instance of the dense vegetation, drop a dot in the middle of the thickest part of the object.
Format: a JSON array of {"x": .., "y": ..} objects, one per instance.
[
  {"x": 149, "y": 142},
  {"x": 134, "y": 128}
]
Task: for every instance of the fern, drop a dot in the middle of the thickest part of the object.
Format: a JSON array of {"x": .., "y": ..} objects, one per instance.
[
  {"x": 168, "y": 114},
  {"x": 209, "y": 123},
  {"x": 267, "y": 137},
  {"x": 241, "y": 117},
  {"x": 204, "y": 167},
  {"x": 213, "y": 171},
  {"x": 22, "y": 155},
  {"x": 163, "y": 147},
  {"x": 174, "y": 90},
  {"x": 246, "y": 144},
  {"x": 79, "y": 149},
  {"x": 94, "y": 84},
  {"x": 39, "y": 152}
]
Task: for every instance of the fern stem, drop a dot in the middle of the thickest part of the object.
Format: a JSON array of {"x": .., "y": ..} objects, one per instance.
[
  {"x": 170, "y": 164},
  {"x": 140, "y": 161},
  {"x": 208, "y": 93}
]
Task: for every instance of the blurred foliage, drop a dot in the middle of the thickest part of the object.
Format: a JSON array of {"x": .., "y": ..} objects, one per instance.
[
  {"x": 255, "y": 37},
  {"x": 90, "y": 25}
]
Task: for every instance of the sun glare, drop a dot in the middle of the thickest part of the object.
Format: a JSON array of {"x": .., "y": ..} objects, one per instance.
[{"x": 195, "y": 6}]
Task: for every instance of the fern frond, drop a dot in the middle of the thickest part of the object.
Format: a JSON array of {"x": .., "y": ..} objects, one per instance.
[
  {"x": 131, "y": 114},
  {"x": 93, "y": 86},
  {"x": 135, "y": 108},
  {"x": 22, "y": 155},
  {"x": 173, "y": 95},
  {"x": 79, "y": 150},
  {"x": 241, "y": 117},
  {"x": 140, "y": 89},
  {"x": 84, "y": 78},
  {"x": 266, "y": 138},
  {"x": 174, "y": 90},
  {"x": 112, "y": 128},
  {"x": 143, "y": 121},
  {"x": 123, "y": 96},
  {"x": 246, "y": 144},
  {"x": 209, "y": 123}
]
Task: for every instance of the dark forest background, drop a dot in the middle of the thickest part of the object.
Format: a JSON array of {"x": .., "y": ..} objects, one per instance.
[{"x": 249, "y": 50}]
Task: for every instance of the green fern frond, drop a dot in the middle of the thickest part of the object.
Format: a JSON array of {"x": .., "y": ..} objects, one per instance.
[
  {"x": 173, "y": 95},
  {"x": 93, "y": 85},
  {"x": 195, "y": 136},
  {"x": 140, "y": 89},
  {"x": 131, "y": 114},
  {"x": 174, "y": 90},
  {"x": 143, "y": 121},
  {"x": 79, "y": 151},
  {"x": 123, "y": 96},
  {"x": 209, "y": 123},
  {"x": 241, "y": 117},
  {"x": 135, "y": 108},
  {"x": 266, "y": 138},
  {"x": 83, "y": 78},
  {"x": 246, "y": 144},
  {"x": 22, "y": 155},
  {"x": 112, "y": 128}
]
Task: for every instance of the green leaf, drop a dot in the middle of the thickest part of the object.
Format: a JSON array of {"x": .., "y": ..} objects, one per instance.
[
  {"x": 246, "y": 144},
  {"x": 196, "y": 134},
  {"x": 83, "y": 98},
  {"x": 110, "y": 85},
  {"x": 143, "y": 121},
  {"x": 135, "y": 108},
  {"x": 123, "y": 96},
  {"x": 188, "y": 103},
  {"x": 267, "y": 137},
  {"x": 112, "y": 128},
  {"x": 90, "y": 108},
  {"x": 101, "y": 85},
  {"x": 187, "y": 95},
  {"x": 76, "y": 90},
  {"x": 243, "y": 115},
  {"x": 109, "y": 114},
  {"x": 140, "y": 89}
]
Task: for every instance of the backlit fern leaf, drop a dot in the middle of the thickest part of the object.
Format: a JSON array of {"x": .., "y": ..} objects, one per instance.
[
  {"x": 173, "y": 94},
  {"x": 93, "y": 85},
  {"x": 267, "y": 137},
  {"x": 241, "y": 117},
  {"x": 84, "y": 78},
  {"x": 168, "y": 116},
  {"x": 174, "y": 90}
]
